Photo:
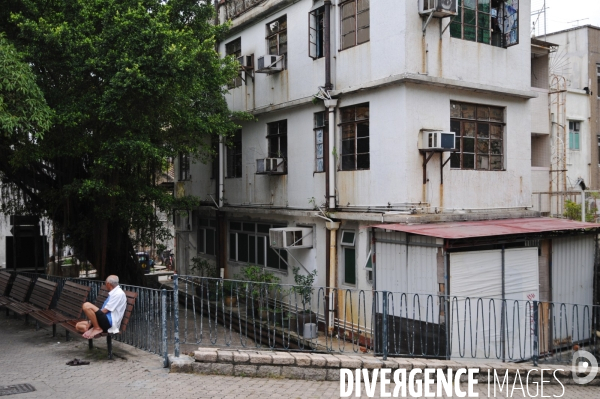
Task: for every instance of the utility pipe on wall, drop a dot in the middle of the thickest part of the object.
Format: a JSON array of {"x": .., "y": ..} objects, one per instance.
[
  {"x": 332, "y": 283},
  {"x": 332, "y": 167}
]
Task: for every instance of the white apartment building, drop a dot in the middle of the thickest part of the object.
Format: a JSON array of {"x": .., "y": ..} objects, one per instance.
[{"x": 337, "y": 171}]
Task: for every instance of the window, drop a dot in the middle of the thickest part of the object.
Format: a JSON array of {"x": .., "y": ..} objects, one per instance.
[
  {"x": 207, "y": 236},
  {"x": 184, "y": 167},
  {"x": 277, "y": 38},
  {"x": 598, "y": 78},
  {"x": 249, "y": 243},
  {"x": 234, "y": 155},
  {"x": 234, "y": 48},
  {"x": 479, "y": 133},
  {"x": 321, "y": 123},
  {"x": 355, "y": 23},
  {"x": 492, "y": 22},
  {"x": 316, "y": 38},
  {"x": 277, "y": 138},
  {"x": 574, "y": 135},
  {"x": 355, "y": 137},
  {"x": 349, "y": 256}
]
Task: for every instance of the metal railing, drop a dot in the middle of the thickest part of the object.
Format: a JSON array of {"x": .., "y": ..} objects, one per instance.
[{"x": 240, "y": 314}]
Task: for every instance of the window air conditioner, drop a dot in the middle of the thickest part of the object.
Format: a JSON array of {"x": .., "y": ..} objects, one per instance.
[
  {"x": 439, "y": 8},
  {"x": 437, "y": 141},
  {"x": 246, "y": 62},
  {"x": 291, "y": 237},
  {"x": 270, "y": 165},
  {"x": 270, "y": 63}
]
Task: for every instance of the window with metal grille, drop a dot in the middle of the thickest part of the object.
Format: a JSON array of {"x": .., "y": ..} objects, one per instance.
[
  {"x": 479, "y": 131},
  {"x": 249, "y": 243},
  {"x": 354, "y": 23},
  {"x": 494, "y": 22},
  {"x": 316, "y": 38},
  {"x": 349, "y": 256},
  {"x": 234, "y": 155},
  {"x": 207, "y": 236},
  {"x": 277, "y": 38},
  {"x": 574, "y": 128},
  {"x": 184, "y": 167},
  {"x": 234, "y": 48},
  {"x": 321, "y": 129},
  {"x": 355, "y": 137},
  {"x": 277, "y": 139}
]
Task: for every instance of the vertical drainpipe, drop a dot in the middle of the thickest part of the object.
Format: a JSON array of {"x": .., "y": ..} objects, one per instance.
[
  {"x": 330, "y": 167},
  {"x": 221, "y": 223}
]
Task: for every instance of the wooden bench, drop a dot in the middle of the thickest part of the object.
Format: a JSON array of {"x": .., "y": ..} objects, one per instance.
[
  {"x": 40, "y": 298},
  {"x": 5, "y": 279},
  {"x": 68, "y": 306},
  {"x": 18, "y": 292},
  {"x": 69, "y": 325}
]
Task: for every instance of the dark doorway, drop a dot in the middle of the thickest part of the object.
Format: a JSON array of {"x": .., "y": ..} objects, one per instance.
[{"x": 26, "y": 253}]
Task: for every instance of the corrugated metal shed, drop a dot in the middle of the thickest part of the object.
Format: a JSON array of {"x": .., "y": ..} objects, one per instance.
[{"x": 488, "y": 228}]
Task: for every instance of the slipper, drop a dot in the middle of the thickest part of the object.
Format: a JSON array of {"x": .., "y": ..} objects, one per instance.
[{"x": 77, "y": 362}]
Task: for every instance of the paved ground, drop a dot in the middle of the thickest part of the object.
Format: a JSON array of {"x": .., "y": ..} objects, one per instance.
[{"x": 35, "y": 357}]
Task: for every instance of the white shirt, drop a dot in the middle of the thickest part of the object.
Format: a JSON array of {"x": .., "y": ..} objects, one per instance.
[{"x": 116, "y": 305}]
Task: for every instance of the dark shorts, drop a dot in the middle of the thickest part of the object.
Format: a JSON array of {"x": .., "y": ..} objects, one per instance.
[{"x": 102, "y": 320}]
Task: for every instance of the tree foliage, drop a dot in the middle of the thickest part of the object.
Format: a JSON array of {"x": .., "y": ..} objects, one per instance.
[{"x": 130, "y": 84}]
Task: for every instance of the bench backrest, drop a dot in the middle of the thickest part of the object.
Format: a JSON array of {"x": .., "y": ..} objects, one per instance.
[
  {"x": 5, "y": 278},
  {"x": 42, "y": 294},
  {"x": 131, "y": 297},
  {"x": 71, "y": 299},
  {"x": 20, "y": 288}
]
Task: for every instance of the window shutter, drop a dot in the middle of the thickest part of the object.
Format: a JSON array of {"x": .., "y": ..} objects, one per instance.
[{"x": 312, "y": 34}]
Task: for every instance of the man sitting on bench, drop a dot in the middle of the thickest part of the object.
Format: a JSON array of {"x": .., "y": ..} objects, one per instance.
[{"x": 108, "y": 319}]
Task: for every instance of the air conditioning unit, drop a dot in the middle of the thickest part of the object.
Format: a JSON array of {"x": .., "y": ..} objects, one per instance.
[
  {"x": 291, "y": 237},
  {"x": 270, "y": 165},
  {"x": 439, "y": 8},
  {"x": 183, "y": 220},
  {"x": 246, "y": 62},
  {"x": 270, "y": 63},
  {"x": 437, "y": 141}
]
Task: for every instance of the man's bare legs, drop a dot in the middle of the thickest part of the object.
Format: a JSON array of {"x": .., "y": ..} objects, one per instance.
[{"x": 90, "y": 311}]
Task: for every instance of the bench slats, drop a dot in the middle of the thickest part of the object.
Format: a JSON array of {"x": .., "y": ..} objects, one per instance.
[
  {"x": 68, "y": 306},
  {"x": 5, "y": 278},
  {"x": 20, "y": 288},
  {"x": 40, "y": 298}
]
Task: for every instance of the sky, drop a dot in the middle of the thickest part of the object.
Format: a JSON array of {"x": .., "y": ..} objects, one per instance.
[{"x": 562, "y": 14}]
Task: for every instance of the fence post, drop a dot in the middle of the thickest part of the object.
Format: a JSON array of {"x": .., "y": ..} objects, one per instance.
[
  {"x": 384, "y": 338},
  {"x": 163, "y": 326},
  {"x": 536, "y": 348},
  {"x": 176, "y": 312}
]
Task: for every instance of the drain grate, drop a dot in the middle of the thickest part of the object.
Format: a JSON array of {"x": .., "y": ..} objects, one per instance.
[{"x": 15, "y": 389}]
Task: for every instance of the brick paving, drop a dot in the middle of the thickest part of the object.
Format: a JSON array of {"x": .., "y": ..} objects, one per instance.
[{"x": 35, "y": 357}]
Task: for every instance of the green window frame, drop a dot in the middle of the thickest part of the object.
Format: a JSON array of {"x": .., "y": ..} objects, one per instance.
[
  {"x": 574, "y": 135},
  {"x": 347, "y": 242},
  {"x": 494, "y": 22}
]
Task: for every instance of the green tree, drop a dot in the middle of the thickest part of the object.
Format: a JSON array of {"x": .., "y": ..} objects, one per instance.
[{"x": 130, "y": 84}]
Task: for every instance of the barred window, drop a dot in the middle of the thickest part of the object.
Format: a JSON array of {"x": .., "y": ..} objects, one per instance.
[
  {"x": 277, "y": 37},
  {"x": 207, "y": 236},
  {"x": 492, "y": 22},
  {"x": 355, "y": 137},
  {"x": 479, "y": 133},
  {"x": 184, "y": 167},
  {"x": 355, "y": 23},
  {"x": 234, "y": 155},
  {"x": 234, "y": 48},
  {"x": 321, "y": 129},
  {"x": 249, "y": 243},
  {"x": 277, "y": 138}
]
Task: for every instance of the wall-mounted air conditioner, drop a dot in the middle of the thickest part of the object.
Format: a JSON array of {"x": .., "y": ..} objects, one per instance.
[
  {"x": 291, "y": 237},
  {"x": 246, "y": 62},
  {"x": 439, "y": 8},
  {"x": 183, "y": 220},
  {"x": 270, "y": 165},
  {"x": 270, "y": 64},
  {"x": 437, "y": 141}
]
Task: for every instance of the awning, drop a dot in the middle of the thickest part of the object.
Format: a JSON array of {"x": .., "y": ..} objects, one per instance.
[{"x": 488, "y": 228}]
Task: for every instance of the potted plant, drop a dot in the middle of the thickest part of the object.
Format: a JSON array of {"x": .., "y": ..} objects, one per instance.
[
  {"x": 256, "y": 287},
  {"x": 229, "y": 293},
  {"x": 304, "y": 290}
]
